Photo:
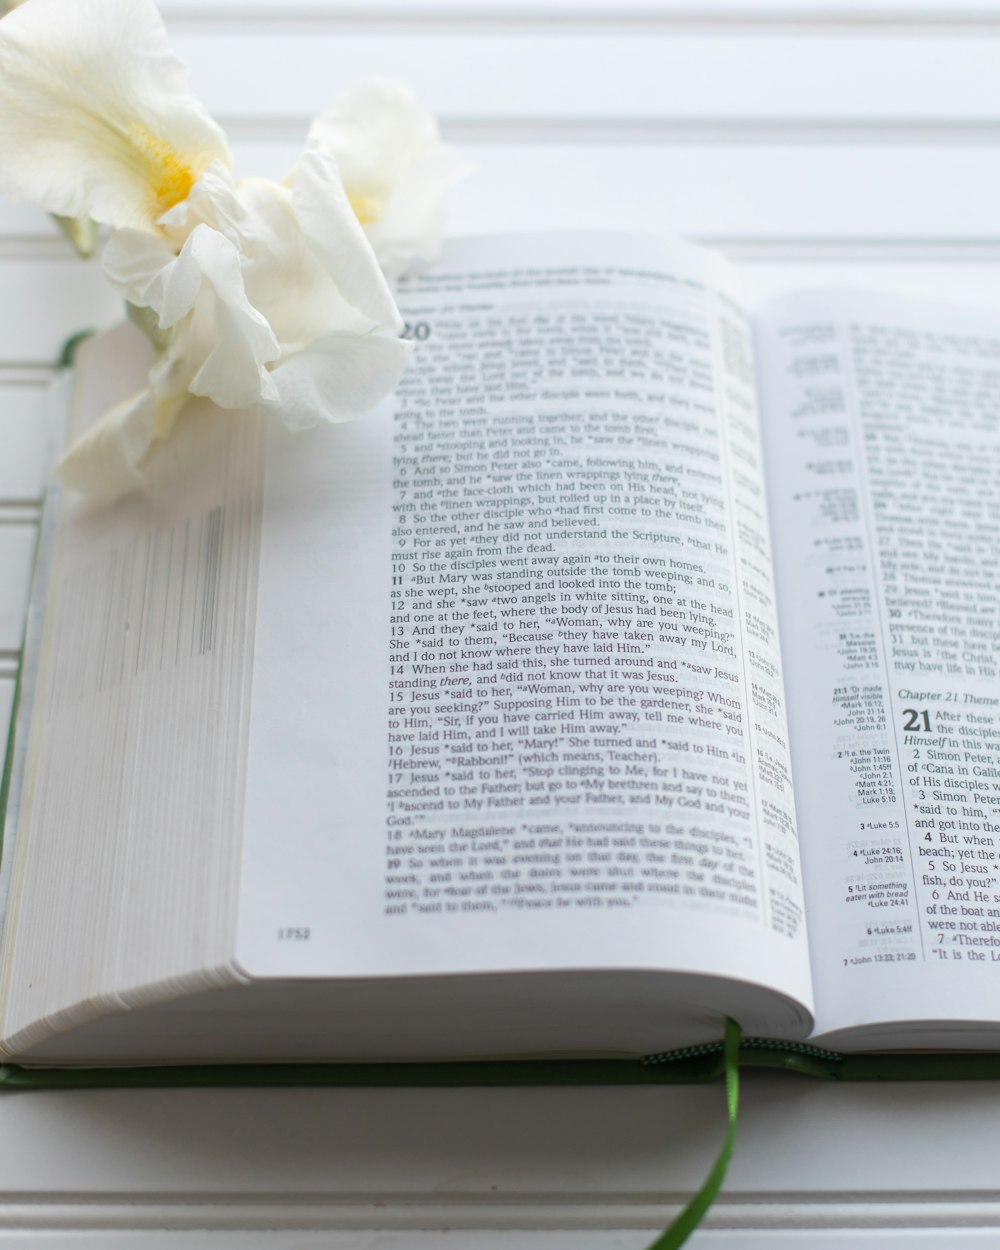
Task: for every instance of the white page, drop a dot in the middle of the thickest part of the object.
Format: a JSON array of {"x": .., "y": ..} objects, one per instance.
[
  {"x": 524, "y": 736},
  {"x": 882, "y": 433}
]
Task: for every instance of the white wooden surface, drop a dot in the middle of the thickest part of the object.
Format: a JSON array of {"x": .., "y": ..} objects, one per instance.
[{"x": 816, "y": 141}]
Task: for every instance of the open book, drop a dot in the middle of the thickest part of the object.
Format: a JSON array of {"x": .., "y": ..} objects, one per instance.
[{"x": 635, "y": 668}]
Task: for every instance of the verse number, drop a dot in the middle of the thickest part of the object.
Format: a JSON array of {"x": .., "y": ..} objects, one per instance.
[
  {"x": 294, "y": 934},
  {"x": 916, "y": 722},
  {"x": 418, "y": 330}
]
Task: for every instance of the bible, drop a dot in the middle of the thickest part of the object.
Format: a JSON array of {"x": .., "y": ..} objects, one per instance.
[{"x": 633, "y": 669}]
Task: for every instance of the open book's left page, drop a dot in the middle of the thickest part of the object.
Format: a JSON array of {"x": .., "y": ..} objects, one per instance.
[{"x": 517, "y": 698}]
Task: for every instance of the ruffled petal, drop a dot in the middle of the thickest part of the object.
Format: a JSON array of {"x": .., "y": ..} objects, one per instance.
[
  {"x": 372, "y": 131},
  {"x": 339, "y": 378},
  {"x": 213, "y": 201},
  {"x": 326, "y": 218},
  {"x": 104, "y": 462},
  {"x": 219, "y": 345},
  {"x": 412, "y": 227},
  {"x": 284, "y": 276},
  {"x": 136, "y": 264},
  {"x": 228, "y": 342},
  {"x": 98, "y": 118},
  {"x": 395, "y": 168}
]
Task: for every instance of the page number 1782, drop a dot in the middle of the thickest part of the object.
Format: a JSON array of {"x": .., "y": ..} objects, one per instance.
[{"x": 294, "y": 935}]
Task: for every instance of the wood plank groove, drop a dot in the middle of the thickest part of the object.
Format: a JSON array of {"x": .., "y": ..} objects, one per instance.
[
  {"x": 926, "y": 250},
  {"x": 491, "y": 20},
  {"x": 892, "y": 15},
  {"x": 950, "y": 1238},
  {"x": 26, "y": 439},
  {"x": 917, "y": 131},
  {"x": 764, "y": 1211},
  {"x": 26, "y": 375},
  {"x": 19, "y": 511}
]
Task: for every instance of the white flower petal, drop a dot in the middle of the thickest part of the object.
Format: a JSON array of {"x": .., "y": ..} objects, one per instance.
[
  {"x": 395, "y": 168},
  {"x": 135, "y": 263},
  {"x": 329, "y": 223},
  {"x": 213, "y": 201},
  {"x": 98, "y": 119},
  {"x": 219, "y": 344},
  {"x": 104, "y": 462},
  {"x": 412, "y": 226},
  {"x": 339, "y": 378},
  {"x": 227, "y": 339},
  {"x": 372, "y": 131}
]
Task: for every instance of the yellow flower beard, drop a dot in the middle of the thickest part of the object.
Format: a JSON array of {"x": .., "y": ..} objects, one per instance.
[
  {"x": 169, "y": 179},
  {"x": 367, "y": 208}
]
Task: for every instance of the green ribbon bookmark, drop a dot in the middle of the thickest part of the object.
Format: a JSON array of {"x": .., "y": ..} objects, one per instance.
[
  {"x": 68, "y": 351},
  {"x": 692, "y": 1215}
]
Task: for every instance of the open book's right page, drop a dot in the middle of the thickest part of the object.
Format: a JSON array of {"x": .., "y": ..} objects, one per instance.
[{"x": 881, "y": 426}]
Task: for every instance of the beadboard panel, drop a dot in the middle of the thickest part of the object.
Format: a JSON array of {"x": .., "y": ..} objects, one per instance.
[
  {"x": 519, "y": 1164},
  {"x": 494, "y": 1151},
  {"x": 547, "y": 73},
  {"x": 725, "y": 192},
  {"x": 523, "y": 1239},
  {"x": 17, "y": 548},
  {"x": 895, "y": 13},
  {"x": 280, "y": 1235},
  {"x": 24, "y": 435},
  {"x": 6, "y": 705},
  {"x": 782, "y": 191},
  {"x": 45, "y": 301}
]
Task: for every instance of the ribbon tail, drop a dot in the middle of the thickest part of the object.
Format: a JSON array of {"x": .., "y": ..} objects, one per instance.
[{"x": 688, "y": 1220}]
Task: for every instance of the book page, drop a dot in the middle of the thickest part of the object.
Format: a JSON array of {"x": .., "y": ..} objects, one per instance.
[
  {"x": 883, "y": 454},
  {"x": 517, "y": 700}
]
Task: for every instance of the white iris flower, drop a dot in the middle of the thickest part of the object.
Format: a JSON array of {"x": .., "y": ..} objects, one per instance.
[
  {"x": 395, "y": 168},
  {"x": 255, "y": 293},
  {"x": 98, "y": 119}
]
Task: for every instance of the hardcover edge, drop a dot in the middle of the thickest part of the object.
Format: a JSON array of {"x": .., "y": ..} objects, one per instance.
[{"x": 690, "y": 1066}]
